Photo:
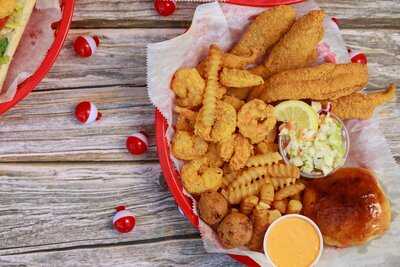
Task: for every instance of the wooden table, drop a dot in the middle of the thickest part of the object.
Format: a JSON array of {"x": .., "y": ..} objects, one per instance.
[{"x": 60, "y": 181}]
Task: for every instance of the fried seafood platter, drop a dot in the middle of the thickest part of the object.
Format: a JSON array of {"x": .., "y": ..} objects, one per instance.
[{"x": 233, "y": 108}]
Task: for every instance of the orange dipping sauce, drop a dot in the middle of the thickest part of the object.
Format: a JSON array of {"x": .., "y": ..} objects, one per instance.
[{"x": 293, "y": 241}]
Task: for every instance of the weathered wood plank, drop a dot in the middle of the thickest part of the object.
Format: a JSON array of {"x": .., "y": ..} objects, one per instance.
[
  {"x": 184, "y": 252},
  {"x": 51, "y": 205},
  {"x": 121, "y": 57},
  {"x": 142, "y": 14},
  {"x": 43, "y": 126}
]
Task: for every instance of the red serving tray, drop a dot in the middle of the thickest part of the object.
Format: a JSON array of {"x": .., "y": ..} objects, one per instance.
[
  {"x": 30, "y": 83},
  {"x": 171, "y": 175}
]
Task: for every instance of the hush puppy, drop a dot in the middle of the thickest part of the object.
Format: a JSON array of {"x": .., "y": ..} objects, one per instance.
[
  {"x": 213, "y": 207},
  {"x": 235, "y": 230}
]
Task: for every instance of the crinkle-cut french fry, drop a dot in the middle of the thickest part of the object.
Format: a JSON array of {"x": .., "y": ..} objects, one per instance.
[
  {"x": 263, "y": 206},
  {"x": 294, "y": 206},
  {"x": 283, "y": 170},
  {"x": 267, "y": 193},
  {"x": 289, "y": 191},
  {"x": 280, "y": 205},
  {"x": 279, "y": 183},
  {"x": 273, "y": 215},
  {"x": 249, "y": 175},
  {"x": 264, "y": 160},
  {"x": 247, "y": 205},
  {"x": 266, "y": 147},
  {"x": 235, "y": 194},
  {"x": 260, "y": 225}
]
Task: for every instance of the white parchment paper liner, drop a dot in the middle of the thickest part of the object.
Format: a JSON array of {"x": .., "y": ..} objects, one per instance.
[
  {"x": 35, "y": 42},
  {"x": 223, "y": 24}
]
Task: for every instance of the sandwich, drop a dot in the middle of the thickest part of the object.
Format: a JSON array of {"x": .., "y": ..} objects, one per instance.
[{"x": 14, "y": 16}]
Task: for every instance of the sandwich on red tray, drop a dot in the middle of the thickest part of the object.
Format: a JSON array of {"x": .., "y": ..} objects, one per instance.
[{"x": 14, "y": 16}]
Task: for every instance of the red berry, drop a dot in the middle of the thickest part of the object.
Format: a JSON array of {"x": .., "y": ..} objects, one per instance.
[
  {"x": 165, "y": 7},
  {"x": 359, "y": 58},
  {"x": 136, "y": 145},
  {"x": 125, "y": 224}
]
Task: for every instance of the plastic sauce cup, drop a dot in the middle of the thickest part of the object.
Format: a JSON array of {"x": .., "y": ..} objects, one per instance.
[{"x": 286, "y": 217}]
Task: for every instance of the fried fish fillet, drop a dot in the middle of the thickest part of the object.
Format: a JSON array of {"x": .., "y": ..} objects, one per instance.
[
  {"x": 326, "y": 81},
  {"x": 297, "y": 48},
  {"x": 267, "y": 28},
  {"x": 361, "y": 106}
]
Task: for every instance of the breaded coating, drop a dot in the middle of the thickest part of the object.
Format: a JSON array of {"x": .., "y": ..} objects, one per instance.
[
  {"x": 239, "y": 78},
  {"x": 280, "y": 205},
  {"x": 361, "y": 106},
  {"x": 298, "y": 45},
  {"x": 226, "y": 148},
  {"x": 267, "y": 28},
  {"x": 186, "y": 146},
  {"x": 326, "y": 81},
  {"x": 198, "y": 178},
  {"x": 188, "y": 87},
  {"x": 225, "y": 122},
  {"x": 255, "y": 120},
  {"x": 242, "y": 152},
  {"x": 214, "y": 159},
  {"x": 7, "y": 7},
  {"x": 240, "y": 93},
  {"x": 235, "y": 102}
]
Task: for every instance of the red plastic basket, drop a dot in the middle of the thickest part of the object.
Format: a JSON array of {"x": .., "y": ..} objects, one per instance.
[
  {"x": 171, "y": 175},
  {"x": 172, "y": 178},
  {"x": 61, "y": 33}
]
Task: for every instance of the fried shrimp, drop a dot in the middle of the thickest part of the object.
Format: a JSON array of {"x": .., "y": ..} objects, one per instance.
[
  {"x": 186, "y": 146},
  {"x": 214, "y": 159},
  {"x": 207, "y": 114},
  {"x": 239, "y": 78},
  {"x": 198, "y": 178},
  {"x": 241, "y": 153},
  {"x": 225, "y": 123},
  {"x": 255, "y": 120},
  {"x": 226, "y": 148},
  {"x": 235, "y": 102},
  {"x": 186, "y": 119},
  {"x": 188, "y": 87}
]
